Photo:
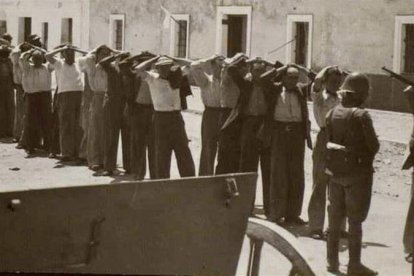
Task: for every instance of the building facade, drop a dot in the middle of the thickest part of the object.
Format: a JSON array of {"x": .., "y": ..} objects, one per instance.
[{"x": 358, "y": 35}]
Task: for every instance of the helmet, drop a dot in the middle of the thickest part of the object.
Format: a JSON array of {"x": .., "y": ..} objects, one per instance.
[{"x": 356, "y": 83}]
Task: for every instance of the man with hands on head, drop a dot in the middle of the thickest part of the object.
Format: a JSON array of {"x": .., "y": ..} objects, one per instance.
[
  {"x": 324, "y": 97},
  {"x": 69, "y": 79},
  {"x": 36, "y": 81},
  {"x": 287, "y": 127},
  {"x": 168, "y": 124}
]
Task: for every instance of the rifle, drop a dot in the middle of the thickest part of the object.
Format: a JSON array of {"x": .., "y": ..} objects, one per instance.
[{"x": 398, "y": 77}]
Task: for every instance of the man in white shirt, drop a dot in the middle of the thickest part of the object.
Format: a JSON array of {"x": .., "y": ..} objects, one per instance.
[
  {"x": 36, "y": 80},
  {"x": 324, "y": 96},
  {"x": 70, "y": 85},
  {"x": 168, "y": 123}
]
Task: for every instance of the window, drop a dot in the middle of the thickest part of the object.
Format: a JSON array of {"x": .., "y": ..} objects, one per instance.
[
  {"x": 404, "y": 45},
  {"x": 117, "y": 31},
  {"x": 179, "y": 28},
  {"x": 233, "y": 30},
  {"x": 299, "y": 39},
  {"x": 3, "y": 27},
  {"x": 25, "y": 28},
  {"x": 45, "y": 34},
  {"x": 66, "y": 35}
]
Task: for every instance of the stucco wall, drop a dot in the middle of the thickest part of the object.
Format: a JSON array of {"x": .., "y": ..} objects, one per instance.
[
  {"x": 356, "y": 34},
  {"x": 51, "y": 11}
]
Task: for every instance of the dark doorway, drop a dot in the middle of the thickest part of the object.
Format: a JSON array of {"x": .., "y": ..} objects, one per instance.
[
  {"x": 301, "y": 43},
  {"x": 236, "y": 34}
]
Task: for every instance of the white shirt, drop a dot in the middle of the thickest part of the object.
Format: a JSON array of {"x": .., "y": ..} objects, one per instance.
[
  {"x": 97, "y": 77},
  {"x": 322, "y": 103},
  {"x": 163, "y": 96},
  {"x": 68, "y": 77},
  {"x": 36, "y": 79}
]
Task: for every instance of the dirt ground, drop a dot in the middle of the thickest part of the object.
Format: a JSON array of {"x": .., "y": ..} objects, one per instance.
[{"x": 382, "y": 231}]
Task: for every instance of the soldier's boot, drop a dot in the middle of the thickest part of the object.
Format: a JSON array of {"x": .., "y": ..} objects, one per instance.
[
  {"x": 355, "y": 267},
  {"x": 333, "y": 251}
]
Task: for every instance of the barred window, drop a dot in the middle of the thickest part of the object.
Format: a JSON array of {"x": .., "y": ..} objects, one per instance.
[
  {"x": 181, "y": 39},
  {"x": 45, "y": 34},
  {"x": 118, "y": 34},
  {"x": 116, "y": 31},
  {"x": 301, "y": 49}
]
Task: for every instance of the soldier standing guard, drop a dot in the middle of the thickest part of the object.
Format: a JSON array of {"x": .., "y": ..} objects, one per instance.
[
  {"x": 352, "y": 146},
  {"x": 408, "y": 164}
]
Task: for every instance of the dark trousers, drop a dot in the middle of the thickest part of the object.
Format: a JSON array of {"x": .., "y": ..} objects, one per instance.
[
  {"x": 34, "y": 138},
  {"x": 169, "y": 136},
  {"x": 84, "y": 122},
  {"x": 19, "y": 112},
  {"x": 141, "y": 140},
  {"x": 349, "y": 197},
  {"x": 38, "y": 118},
  {"x": 210, "y": 133},
  {"x": 6, "y": 108},
  {"x": 287, "y": 170},
  {"x": 70, "y": 131},
  {"x": 409, "y": 225},
  {"x": 228, "y": 160},
  {"x": 115, "y": 122},
  {"x": 252, "y": 151},
  {"x": 317, "y": 203},
  {"x": 96, "y": 130},
  {"x": 55, "y": 143}
]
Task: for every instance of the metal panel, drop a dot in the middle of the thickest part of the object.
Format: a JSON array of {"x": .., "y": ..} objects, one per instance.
[{"x": 185, "y": 226}]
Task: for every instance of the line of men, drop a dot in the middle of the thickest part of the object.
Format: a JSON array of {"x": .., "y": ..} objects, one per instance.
[{"x": 255, "y": 112}]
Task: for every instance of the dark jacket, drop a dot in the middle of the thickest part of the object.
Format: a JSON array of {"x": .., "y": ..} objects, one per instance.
[
  {"x": 409, "y": 161},
  {"x": 353, "y": 128}
]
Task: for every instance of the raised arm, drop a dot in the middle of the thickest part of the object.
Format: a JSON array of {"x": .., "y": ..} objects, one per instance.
[
  {"x": 24, "y": 60},
  {"x": 320, "y": 79},
  {"x": 50, "y": 56},
  {"x": 141, "y": 69},
  {"x": 181, "y": 61}
]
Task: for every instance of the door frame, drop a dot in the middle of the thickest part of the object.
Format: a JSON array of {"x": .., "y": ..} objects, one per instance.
[{"x": 233, "y": 10}]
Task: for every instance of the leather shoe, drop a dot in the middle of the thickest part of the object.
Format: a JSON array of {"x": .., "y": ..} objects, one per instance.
[
  {"x": 360, "y": 270},
  {"x": 296, "y": 221}
]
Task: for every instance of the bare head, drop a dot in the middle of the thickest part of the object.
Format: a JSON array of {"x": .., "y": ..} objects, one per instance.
[
  {"x": 102, "y": 52},
  {"x": 217, "y": 65},
  {"x": 291, "y": 78},
  {"x": 37, "y": 58},
  {"x": 69, "y": 56},
  {"x": 257, "y": 69},
  {"x": 333, "y": 79},
  {"x": 163, "y": 66}
]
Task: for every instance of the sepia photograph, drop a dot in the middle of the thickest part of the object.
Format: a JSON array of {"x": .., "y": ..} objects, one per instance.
[{"x": 207, "y": 137}]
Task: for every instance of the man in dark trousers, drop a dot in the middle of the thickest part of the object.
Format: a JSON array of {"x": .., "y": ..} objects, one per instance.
[
  {"x": 324, "y": 97},
  {"x": 250, "y": 111},
  {"x": 140, "y": 111},
  {"x": 114, "y": 116},
  {"x": 168, "y": 124},
  {"x": 20, "y": 103},
  {"x": 408, "y": 238},
  {"x": 37, "y": 86},
  {"x": 228, "y": 157},
  {"x": 287, "y": 126},
  {"x": 351, "y": 149},
  {"x": 6, "y": 93},
  {"x": 69, "y": 78}
]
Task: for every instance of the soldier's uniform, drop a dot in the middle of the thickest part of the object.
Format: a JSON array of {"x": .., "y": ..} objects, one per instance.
[
  {"x": 352, "y": 145},
  {"x": 408, "y": 164}
]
